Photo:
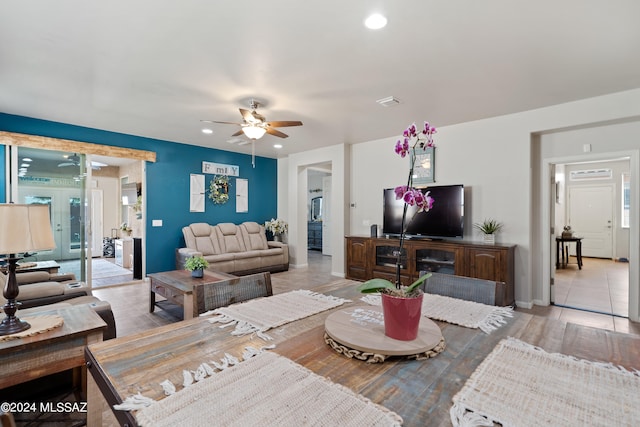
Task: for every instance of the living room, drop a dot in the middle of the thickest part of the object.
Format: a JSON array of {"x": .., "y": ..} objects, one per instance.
[{"x": 502, "y": 154}]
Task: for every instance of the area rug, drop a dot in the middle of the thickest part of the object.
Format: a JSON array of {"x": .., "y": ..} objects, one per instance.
[
  {"x": 260, "y": 315},
  {"x": 266, "y": 390},
  {"x": 458, "y": 312},
  {"x": 100, "y": 268},
  {"x": 522, "y": 385}
]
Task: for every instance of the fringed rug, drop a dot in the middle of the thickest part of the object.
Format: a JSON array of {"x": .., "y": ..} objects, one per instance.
[
  {"x": 459, "y": 312},
  {"x": 260, "y": 315},
  {"x": 266, "y": 390},
  {"x": 522, "y": 385}
]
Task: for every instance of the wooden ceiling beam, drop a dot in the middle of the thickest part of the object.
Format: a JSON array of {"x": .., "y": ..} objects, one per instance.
[{"x": 46, "y": 143}]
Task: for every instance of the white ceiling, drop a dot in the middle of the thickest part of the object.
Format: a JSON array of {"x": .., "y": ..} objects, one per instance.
[{"x": 156, "y": 68}]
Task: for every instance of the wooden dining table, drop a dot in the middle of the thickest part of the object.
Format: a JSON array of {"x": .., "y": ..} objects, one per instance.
[{"x": 420, "y": 391}]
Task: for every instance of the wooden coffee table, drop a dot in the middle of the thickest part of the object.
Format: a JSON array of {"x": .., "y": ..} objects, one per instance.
[{"x": 177, "y": 287}]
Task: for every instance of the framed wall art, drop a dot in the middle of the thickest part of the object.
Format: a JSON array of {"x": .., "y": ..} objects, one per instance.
[{"x": 424, "y": 167}]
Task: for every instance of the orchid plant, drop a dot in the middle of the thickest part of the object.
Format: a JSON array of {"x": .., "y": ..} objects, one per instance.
[{"x": 411, "y": 141}]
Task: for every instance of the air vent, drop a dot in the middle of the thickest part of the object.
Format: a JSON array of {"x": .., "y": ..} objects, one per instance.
[
  {"x": 238, "y": 141},
  {"x": 583, "y": 175},
  {"x": 389, "y": 101}
]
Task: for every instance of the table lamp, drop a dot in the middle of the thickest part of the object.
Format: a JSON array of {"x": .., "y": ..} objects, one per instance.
[{"x": 23, "y": 228}]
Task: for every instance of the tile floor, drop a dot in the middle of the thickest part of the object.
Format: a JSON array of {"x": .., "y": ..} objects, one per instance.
[
  {"x": 601, "y": 286},
  {"x": 130, "y": 303}
]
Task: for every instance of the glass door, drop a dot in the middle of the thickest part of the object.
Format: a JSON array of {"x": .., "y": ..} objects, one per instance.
[{"x": 56, "y": 179}]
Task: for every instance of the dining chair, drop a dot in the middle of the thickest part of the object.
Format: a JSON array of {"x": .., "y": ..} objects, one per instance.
[
  {"x": 209, "y": 296},
  {"x": 466, "y": 288}
]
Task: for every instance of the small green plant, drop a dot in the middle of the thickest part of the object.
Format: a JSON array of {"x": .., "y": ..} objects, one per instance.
[
  {"x": 488, "y": 226},
  {"x": 384, "y": 286},
  {"x": 195, "y": 263}
]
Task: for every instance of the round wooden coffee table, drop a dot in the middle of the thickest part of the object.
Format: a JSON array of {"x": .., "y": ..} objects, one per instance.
[{"x": 358, "y": 332}]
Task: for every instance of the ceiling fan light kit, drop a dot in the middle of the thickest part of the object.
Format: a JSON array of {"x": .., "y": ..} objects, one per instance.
[
  {"x": 254, "y": 126},
  {"x": 254, "y": 132}
]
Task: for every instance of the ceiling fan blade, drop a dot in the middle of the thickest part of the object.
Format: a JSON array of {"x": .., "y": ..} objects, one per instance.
[
  {"x": 251, "y": 116},
  {"x": 238, "y": 133},
  {"x": 285, "y": 123},
  {"x": 275, "y": 132},
  {"x": 246, "y": 114},
  {"x": 226, "y": 123}
]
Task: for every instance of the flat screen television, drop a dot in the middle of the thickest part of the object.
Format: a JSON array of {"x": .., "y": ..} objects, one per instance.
[{"x": 444, "y": 220}]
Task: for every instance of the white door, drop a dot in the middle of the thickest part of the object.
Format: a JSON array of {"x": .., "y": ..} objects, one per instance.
[
  {"x": 326, "y": 215},
  {"x": 591, "y": 217}
]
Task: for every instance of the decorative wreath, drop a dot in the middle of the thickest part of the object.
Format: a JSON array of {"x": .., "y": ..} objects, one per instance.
[{"x": 219, "y": 189}]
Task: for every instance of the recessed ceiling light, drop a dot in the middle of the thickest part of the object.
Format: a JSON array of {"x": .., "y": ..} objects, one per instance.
[
  {"x": 375, "y": 21},
  {"x": 207, "y": 131},
  {"x": 27, "y": 159},
  {"x": 25, "y": 165},
  {"x": 277, "y": 145}
]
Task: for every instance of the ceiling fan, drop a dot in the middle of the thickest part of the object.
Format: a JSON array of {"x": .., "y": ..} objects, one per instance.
[
  {"x": 254, "y": 126},
  {"x": 71, "y": 160},
  {"x": 74, "y": 160}
]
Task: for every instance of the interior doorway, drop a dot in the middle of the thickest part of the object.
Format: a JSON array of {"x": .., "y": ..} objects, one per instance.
[
  {"x": 318, "y": 215},
  {"x": 589, "y": 198},
  {"x": 87, "y": 211}
]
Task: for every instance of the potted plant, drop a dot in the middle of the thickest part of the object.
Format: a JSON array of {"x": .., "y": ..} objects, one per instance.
[
  {"x": 402, "y": 305},
  {"x": 196, "y": 265},
  {"x": 489, "y": 227},
  {"x": 137, "y": 208},
  {"x": 126, "y": 230},
  {"x": 277, "y": 227}
]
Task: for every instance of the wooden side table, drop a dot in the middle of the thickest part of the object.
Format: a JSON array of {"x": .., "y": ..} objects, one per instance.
[
  {"x": 58, "y": 350},
  {"x": 562, "y": 249}
]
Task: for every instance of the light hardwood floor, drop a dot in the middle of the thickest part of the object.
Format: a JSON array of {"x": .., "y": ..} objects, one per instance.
[{"x": 130, "y": 303}]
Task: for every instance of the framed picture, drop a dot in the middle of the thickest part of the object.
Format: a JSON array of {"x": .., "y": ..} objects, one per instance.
[{"x": 424, "y": 167}]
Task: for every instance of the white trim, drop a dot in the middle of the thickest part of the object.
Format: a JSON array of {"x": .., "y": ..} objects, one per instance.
[{"x": 634, "y": 224}]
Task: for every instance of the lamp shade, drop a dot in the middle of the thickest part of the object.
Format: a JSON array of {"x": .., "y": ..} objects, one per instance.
[
  {"x": 254, "y": 132},
  {"x": 25, "y": 228}
]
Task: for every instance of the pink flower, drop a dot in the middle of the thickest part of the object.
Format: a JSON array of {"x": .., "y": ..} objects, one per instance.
[
  {"x": 402, "y": 148},
  {"x": 400, "y": 191},
  {"x": 425, "y": 204}
]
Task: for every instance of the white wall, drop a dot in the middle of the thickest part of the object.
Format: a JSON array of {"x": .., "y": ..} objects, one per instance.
[
  {"x": 499, "y": 161},
  {"x": 296, "y": 191},
  {"x": 110, "y": 202}
]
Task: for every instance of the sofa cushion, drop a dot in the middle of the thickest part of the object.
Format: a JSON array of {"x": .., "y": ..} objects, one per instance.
[
  {"x": 202, "y": 237},
  {"x": 34, "y": 290},
  {"x": 32, "y": 277},
  {"x": 230, "y": 238},
  {"x": 254, "y": 236}
]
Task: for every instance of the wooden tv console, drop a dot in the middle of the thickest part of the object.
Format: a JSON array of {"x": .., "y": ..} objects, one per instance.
[{"x": 370, "y": 257}]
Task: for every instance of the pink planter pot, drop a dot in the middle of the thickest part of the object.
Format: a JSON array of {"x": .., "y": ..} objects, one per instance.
[{"x": 401, "y": 316}]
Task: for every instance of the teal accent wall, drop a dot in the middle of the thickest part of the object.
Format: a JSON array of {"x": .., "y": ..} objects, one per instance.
[{"x": 168, "y": 182}]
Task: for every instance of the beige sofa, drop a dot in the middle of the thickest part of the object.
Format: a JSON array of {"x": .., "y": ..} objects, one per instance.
[{"x": 236, "y": 249}]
